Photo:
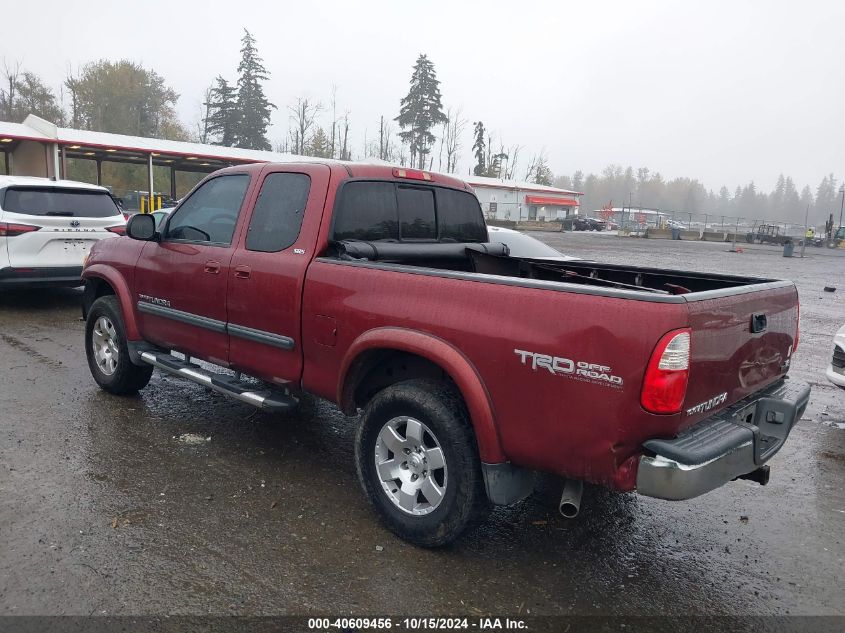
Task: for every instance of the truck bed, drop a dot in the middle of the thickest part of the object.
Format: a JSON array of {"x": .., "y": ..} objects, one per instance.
[{"x": 493, "y": 259}]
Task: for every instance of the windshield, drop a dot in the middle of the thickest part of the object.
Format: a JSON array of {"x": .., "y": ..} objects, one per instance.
[{"x": 82, "y": 203}]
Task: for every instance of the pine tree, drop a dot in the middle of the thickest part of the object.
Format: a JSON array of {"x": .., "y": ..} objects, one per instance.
[
  {"x": 543, "y": 174},
  {"x": 420, "y": 111},
  {"x": 253, "y": 106},
  {"x": 479, "y": 148},
  {"x": 222, "y": 119},
  {"x": 319, "y": 145},
  {"x": 724, "y": 201},
  {"x": 806, "y": 201},
  {"x": 791, "y": 201},
  {"x": 826, "y": 194}
]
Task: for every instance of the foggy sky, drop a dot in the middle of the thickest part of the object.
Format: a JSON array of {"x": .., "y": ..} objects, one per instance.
[{"x": 723, "y": 92}]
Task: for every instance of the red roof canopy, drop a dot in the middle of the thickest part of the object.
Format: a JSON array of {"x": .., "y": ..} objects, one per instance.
[{"x": 547, "y": 200}]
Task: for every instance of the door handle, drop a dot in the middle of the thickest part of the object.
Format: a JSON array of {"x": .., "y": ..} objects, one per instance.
[
  {"x": 212, "y": 268},
  {"x": 243, "y": 272}
]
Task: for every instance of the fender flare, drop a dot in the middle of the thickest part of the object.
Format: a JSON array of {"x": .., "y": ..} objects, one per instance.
[
  {"x": 446, "y": 356},
  {"x": 121, "y": 289}
]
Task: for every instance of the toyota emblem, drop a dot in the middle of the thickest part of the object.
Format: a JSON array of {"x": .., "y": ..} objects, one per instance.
[{"x": 74, "y": 222}]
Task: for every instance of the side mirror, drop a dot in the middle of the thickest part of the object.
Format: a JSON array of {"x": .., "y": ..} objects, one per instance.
[{"x": 141, "y": 226}]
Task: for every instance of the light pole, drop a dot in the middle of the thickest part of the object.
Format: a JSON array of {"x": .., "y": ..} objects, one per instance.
[{"x": 842, "y": 206}]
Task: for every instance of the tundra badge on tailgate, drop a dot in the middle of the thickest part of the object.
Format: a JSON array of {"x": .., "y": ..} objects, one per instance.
[
  {"x": 715, "y": 401},
  {"x": 579, "y": 370}
]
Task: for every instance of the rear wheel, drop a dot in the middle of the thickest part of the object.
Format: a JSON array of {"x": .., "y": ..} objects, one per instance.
[
  {"x": 418, "y": 462},
  {"x": 107, "y": 352}
]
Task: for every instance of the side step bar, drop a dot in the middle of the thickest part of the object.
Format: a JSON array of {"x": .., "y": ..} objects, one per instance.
[{"x": 227, "y": 385}]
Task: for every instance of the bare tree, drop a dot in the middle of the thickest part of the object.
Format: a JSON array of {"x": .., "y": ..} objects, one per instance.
[
  {"x": 72, "y": 84},
  {"x": 8, "y": 94},
  {"x": 538, "y": 170},
  {"x": 510, "y": 169},
  {"x": 282, "y": 147},
  {"x": 491, "y": 171},
  {"x": 452, "y": 133},
  {"x": 205, "y": 111},
  {"x": 386, "y": 147},
  {"x": 334, "y": 121},
  {"x": 303, "y": 115},
  {"x": 344, "y": 146}
]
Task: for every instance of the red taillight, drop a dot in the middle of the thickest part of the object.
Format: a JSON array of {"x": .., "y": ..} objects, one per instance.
[
  {"x": 411, "y": 174},
  {"x": 11, "y": 230},
  {"x": 667, "y": 375},
  {"x": 120, "y": 229},
  {"x": 797, "y": 327}
]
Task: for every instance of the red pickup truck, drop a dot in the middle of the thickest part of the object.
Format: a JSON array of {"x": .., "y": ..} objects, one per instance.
[{"x": 376, "y": 288}]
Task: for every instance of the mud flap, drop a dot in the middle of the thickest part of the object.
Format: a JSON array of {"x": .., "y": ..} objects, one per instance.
[{"x": 506, "y": 484}]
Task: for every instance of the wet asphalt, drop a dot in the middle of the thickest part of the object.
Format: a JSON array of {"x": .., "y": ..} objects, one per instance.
[{"x": 105, "y": 508}]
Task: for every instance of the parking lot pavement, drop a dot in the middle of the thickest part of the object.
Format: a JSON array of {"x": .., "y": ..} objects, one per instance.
[{"x": 179, "y": 501}]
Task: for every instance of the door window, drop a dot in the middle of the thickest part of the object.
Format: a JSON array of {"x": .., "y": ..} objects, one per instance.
[
  {"x": 278, "y": 212},
  {"x": 211, "y": 213}
]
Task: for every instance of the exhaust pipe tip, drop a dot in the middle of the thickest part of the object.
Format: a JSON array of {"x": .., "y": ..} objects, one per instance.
[
  {"x": 569, "y": 510},
  {"x": 570, "y": 498}
]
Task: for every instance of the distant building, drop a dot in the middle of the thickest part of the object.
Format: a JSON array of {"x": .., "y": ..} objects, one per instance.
[
  {"x": 514, "y": 200},
  {"x": 39, "y": 148}
]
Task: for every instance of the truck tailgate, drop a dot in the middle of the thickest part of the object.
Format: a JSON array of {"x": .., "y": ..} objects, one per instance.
[{"x": 740, "y": 344}]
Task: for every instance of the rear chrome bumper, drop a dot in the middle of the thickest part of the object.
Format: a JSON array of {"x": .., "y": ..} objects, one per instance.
[{"x": 732, "y": 443}]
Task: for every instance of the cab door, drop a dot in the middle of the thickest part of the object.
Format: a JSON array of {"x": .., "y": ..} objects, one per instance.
[
  {"x": 181, "y": 279},
  {"x": 267, "y": 272}
]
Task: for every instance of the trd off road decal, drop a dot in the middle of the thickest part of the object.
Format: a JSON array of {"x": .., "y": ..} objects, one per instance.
[{"x": 568, "y": 368}]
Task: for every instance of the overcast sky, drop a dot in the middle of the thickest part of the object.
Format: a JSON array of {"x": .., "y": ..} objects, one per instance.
[{"x": 723, "y": 92}]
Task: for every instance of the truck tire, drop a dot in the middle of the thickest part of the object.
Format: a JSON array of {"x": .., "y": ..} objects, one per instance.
[
  {"x": 105, "y": 347},
  {"x": 417, "y": 461}
]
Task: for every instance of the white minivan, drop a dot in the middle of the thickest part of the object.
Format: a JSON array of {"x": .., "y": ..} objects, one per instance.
[{"x": 47, "y": 228}]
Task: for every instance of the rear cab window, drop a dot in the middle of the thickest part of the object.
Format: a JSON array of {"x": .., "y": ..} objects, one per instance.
[
  {"x": 392, "y": 211},
  {"x": 54, "y": 201}
]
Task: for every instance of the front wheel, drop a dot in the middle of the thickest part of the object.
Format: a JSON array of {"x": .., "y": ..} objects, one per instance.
[
  {"x": 417, "y": 461},
  {"x": 107, "y": 352}
]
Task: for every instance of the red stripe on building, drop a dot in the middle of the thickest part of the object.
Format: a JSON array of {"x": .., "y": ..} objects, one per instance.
[{"x": 546, "y": 200}]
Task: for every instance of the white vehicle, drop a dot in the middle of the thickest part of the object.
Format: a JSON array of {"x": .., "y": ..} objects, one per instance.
[
  {"x": 47, "y": 228},
  {"x": 522, "y": 245},
  {"x": 836, "y": 370}
]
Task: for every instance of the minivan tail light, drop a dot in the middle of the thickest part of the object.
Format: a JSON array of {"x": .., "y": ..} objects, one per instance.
[
  {"x": 11, "y": 230},
  {"x": 667, "y": 374},
  {"x": 797, "y": 327},
  {"x": 120, "y": 229}
]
